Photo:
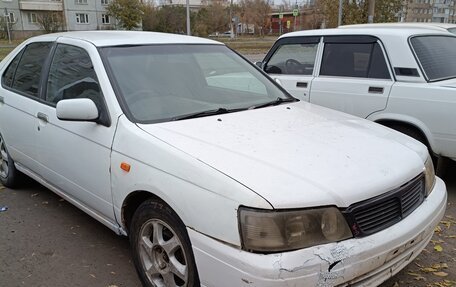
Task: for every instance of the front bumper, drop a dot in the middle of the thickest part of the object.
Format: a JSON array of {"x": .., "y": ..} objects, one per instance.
[{"x": 366, "y": 261}]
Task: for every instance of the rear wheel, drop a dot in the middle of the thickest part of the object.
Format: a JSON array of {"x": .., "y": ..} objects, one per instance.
[
  {"x": 8, "y": 172},
  {"x": 161, "y": 248}
]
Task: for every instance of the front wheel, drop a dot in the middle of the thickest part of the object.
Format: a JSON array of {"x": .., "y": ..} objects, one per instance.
[
  {"x": 8, "y": 172},
  {"x": 161, "y": 248}
]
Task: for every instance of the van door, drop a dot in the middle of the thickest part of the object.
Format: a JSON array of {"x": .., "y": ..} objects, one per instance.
[
  {"x": 291, "y": 62},
  {"x": 354, "y": 76}
]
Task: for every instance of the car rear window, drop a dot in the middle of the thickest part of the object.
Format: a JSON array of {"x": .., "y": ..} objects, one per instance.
[{"x": 437, "y": 56}]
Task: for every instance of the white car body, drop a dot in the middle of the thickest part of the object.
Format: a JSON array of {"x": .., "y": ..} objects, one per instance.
[
  {"x": 290, "y": 156},
  {"x": 401, "y": 25},
  {"x": 404, "y": 102}
]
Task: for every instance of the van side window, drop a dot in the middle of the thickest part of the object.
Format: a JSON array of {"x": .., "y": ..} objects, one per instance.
[
  {"x": 360, "y": 60},
  {"x": 293, "y": 59}
]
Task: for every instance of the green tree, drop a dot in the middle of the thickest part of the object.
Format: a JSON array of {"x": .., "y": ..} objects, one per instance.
[{"x": 128, "y": 12}]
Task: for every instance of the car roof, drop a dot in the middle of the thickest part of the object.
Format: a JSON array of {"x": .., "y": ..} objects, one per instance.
[
  {"x": 403, "y": 32},
  {"x": 118, "y": 38},
  {"x": 429, "y": 25}
]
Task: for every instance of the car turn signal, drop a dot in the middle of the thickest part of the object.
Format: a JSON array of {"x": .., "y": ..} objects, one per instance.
[{"x": 125, "y": 166}]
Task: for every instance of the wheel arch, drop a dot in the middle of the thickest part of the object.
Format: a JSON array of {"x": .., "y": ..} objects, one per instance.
[
  {"x": 395, "y": 120},
  {"x": 132, "y": 202}
]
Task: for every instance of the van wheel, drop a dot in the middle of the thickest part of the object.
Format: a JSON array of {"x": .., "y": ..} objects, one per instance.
[
  {"x": 161, "y": 247},
  {"x": 8, "y": 172}
]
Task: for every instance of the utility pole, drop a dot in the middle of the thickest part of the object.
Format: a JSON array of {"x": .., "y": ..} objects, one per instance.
[
  {"x": 371, "y": 11},
  {"x": 7, "y": 19},
  {"x": 339, "y": 21},
  {"x": 188, "y": 18},
  {"x": 231, "y": 21}
]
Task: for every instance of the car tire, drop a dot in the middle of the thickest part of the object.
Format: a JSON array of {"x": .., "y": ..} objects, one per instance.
[
  {"x": 8, "y": 173},
  {"x": 162, "y": 251}
]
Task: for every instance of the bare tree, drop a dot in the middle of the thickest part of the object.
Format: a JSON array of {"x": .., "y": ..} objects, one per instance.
[{"x": 51, "y": 21}]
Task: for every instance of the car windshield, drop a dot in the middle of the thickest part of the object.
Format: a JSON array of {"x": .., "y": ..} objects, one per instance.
[
  {"x": 437, "y": 56},
  {"x": 157, "y": 83},
  {"x": 452, "y": 30}
]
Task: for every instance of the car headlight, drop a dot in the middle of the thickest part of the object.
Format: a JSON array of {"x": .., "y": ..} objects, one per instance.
[
  {"x": 276, "y": 231},
  {"x": 429, "y": 175}
]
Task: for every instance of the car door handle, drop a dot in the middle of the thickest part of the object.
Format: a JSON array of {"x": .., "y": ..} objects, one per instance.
[
  {"x": 301, "y": 84},
  {"x": 2, "y": 100},
  {"x": 42, "y": 117},
  {"x": 376, "y": 90}
]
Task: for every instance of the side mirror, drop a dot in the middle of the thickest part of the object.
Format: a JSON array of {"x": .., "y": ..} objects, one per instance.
[
  {"x": 260, "y": 65},
  {"x": 77, "y": 110}
]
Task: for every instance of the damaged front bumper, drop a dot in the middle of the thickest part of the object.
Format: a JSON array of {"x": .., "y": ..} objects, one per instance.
[{"x": 366, "y": 261}]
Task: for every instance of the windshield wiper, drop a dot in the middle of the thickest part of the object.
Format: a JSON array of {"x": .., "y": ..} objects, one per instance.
[
  {"x": 275, "y": 102},
  {"x": 218, "y": 111}
]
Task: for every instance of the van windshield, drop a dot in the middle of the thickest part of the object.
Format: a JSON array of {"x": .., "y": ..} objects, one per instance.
[{"x": 437, "y": 56}]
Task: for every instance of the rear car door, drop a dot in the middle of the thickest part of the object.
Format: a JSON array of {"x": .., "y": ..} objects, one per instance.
[
  {"x": 291, "y": 62},
  {"x": 76, "y": 154},
  {"x": 19, "y": 104},
  {"x": 354, "y": 76}
]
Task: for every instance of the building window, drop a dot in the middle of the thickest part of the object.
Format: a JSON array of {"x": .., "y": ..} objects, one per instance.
[
  {"x": 105, "y": 19},
  {"x": 10, "y": 17},
  {"x": 81, "y": 1},
  {"x": 104, "y": 2},
  {"x": 82, "y": 18},
  {"x": 31, "y": 17}
]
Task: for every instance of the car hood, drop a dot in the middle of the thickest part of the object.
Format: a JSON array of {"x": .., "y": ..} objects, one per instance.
[{"x": 299, "y": 155}]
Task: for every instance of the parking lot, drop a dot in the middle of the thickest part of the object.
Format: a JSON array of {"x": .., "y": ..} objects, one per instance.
[{"x": 45, "y": 241}]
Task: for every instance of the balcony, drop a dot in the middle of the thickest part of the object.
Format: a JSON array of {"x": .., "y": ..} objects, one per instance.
[{"x": 41, "y": 5}]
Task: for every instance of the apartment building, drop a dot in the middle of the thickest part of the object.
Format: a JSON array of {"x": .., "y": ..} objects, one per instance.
[
  {"x": 440, "y": 11},
  {"x": 77, "y": 15}
]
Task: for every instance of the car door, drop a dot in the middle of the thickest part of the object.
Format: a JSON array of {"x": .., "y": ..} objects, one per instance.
[
  {"x": 75, "y": 155},
  {"x": 354, "y": 76},
  {"x": 19, "y": 104},
  {"x": 291, "y": 62}
]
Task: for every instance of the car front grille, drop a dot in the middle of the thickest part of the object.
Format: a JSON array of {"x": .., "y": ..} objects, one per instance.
[{"x": 375, "y": 214}]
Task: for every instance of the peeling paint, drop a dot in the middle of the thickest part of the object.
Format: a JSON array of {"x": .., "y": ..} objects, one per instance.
[
  {"x": 333, "y": 256},
  {"x": 246, "y": 281}
]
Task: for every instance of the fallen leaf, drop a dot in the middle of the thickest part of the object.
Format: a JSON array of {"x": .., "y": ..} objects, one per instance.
[
  {"x": 440, "y": 274},
  {"x": 446, "y": 223},
  {"x": 417, "y": 276},
  {"x": 438, "y": 248},
  {"x": 440, "y": 266},
  {"x": 438, "y": 229},
  {"x": 35, "y": 194},
  {"x": 45, "y": 202},
  {"x": 93, "y": 275},
  {"x": 428, "y": 269}
]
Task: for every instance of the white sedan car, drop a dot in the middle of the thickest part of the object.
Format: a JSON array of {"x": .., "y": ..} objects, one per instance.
[{"x": 216, "y": 174}]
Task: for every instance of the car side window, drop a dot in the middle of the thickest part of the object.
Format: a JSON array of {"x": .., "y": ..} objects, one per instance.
[
  {"x": 71, "y": 76},
  {"x": 359, "y": 60},
  {"x": 27, "y": 75},
  {"x": 293, "y": 59},
  {"x": 8, "y": 76}
]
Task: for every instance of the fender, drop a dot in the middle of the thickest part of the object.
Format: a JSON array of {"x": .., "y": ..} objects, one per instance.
[{"x": 405, "y": 119}]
